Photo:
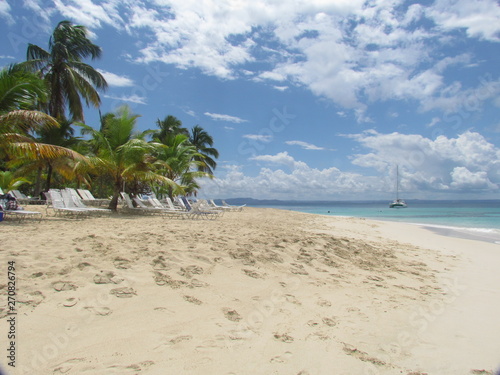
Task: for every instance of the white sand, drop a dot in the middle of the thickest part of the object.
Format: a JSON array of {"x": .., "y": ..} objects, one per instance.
[{"x": 258, "y": 292}]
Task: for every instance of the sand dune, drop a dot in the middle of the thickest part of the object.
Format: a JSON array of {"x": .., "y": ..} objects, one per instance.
[{"x": 262, "y": 291}]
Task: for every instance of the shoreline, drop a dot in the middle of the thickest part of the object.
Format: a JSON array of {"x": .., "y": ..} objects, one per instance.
[
  {"x": 491, "y": 235},
  {"x": 297, "y": 292}
]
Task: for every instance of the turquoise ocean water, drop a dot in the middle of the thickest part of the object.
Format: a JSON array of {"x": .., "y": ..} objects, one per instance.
[{"x": 470, "y": 219}]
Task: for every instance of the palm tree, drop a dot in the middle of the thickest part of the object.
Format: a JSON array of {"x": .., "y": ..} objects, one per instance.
[
  {"x": 178, "y": 162},
  {"x": 169, "y": 127},
  {"x": 9, "y": 181},
  {"x": 67, "y": 77},
  {"x": 122, "y": 155},
  {"x": 203, "y": 143},
  {"x": 20, "y": 91}
]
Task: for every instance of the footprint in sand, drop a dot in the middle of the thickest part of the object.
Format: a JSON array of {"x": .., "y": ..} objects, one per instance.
[
  {"x": 331, "y": 322},
  {"x": 70, "y": 302},
  {"x": 189, "y": 271},
  {"x": 160, "y": 263},
  {"x": 362, "y": 356},
  {"x": 107, "y": 277},
  {"x": 192, "y": 299},
  {"x": 254, "y": 274},
  {"x": 123, "y": 292},
  {"x": 195, "y": 283},
  {"x": 292, "y": 299},
  {"x": 231, "y": 315},
  {"x": 83, "y": 265},
  {"x": 121, "y": 263},
  {"x": 323, "y": 302},
  {"x": 318, "y": 336},
  {"x": 102, "y": 311},
  {"x": 283, "y": 337},
  {"x": 63, "y": 285},
  {"x": 281, "y": 358}
]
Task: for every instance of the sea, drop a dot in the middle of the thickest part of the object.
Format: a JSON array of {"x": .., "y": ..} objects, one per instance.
[{"x": 473, "y": 219}]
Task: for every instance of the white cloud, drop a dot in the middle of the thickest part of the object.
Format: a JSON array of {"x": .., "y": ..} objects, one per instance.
[
  {"x": 5, "y": 11},
  {"x": 480, "y": 19},
  {"x": 429, "y": 164},
  {"x": 321, "y": 45},
  {"x": 222, "y": 117},
  {"x": 304, "y": 145},
  {"x": 462, "y": 178},
  {"x": 136, "y": 99},
  {"x": 115, "y": 80},
  {"x": 467, "y": 165},
  {"x": 86, "y": 13},
  {"x": 259, "y": 137},
  {"x": 280, "y": 158}
]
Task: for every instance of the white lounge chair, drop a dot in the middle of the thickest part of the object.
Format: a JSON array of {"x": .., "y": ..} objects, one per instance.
[
  {"x": 23, "y": 199},
  {"x": 72, "y": 200},
  {"x": 199, "y": 213},
  {"x": 19, "y": 214},
  {"x": 89, "y": 199},
  {"x": 235, "y": 208},
  {"x": 56, "y": 203}
]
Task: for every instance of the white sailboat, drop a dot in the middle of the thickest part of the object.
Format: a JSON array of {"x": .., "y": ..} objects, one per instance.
[{"x": 397, "y": 203}]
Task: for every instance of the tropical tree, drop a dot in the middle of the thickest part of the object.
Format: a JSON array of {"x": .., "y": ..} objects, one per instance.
[
  {"x": 121, "y": 154},
  {"x": 9, "y": 181},
  {"x": 20, "y": 92},
  {"x": 203, "y": 143},
  {"x": 178, "y": 162},
  {"x": 169, "y": 127},
  {"x": 68, "y": 78}
]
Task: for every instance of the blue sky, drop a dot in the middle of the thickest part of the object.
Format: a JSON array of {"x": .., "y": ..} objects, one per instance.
[{"x": 306, "y": 99}]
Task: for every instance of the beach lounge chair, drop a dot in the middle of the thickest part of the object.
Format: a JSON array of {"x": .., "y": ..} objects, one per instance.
[
  {"x": 140, "y": 207},
  {"x": 198, "y": 213},
  {"x": 212, "y": 204},
  {"x": 89, "y": 199},
  {"x": 23, "y": 199},
  {"x": 172, "y": 206},
  {"x": 19, "y": 214},
  {"x": 171, "y": 212},
  {"x": 235, "y": 208},
  {"x": 56, "y": 203},
  {"x": 72, "y": 200}
]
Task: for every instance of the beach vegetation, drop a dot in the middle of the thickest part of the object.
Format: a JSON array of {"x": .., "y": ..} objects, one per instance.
[
  {"x": 123, "y": 155},
  {"x": 42, "y": 102}
]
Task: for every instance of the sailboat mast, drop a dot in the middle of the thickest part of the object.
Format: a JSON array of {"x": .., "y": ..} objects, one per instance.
[{"x": 397, "y": 182}]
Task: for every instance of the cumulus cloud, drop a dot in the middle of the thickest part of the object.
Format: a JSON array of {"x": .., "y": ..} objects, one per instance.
[
  {"x": 222, "y": 117},
  {"x": 478, "y": 18},
  {"x": 136, "y": 99},
  {"x": 439, "y": 164},
  {"x": 429, "y": 169},
  {"x": 320, "y": 45},
  {"x": 116, "y": 80}
]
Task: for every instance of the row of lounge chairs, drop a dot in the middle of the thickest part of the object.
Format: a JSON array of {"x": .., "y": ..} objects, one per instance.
[
  {"x": 80, "y": 203},
  {"x": 184, "y": 209},
  {"x": 67, "y": 202}
]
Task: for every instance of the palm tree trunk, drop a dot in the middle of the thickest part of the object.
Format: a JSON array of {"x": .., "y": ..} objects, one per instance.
[
  {"x": 113, "y": 205},
  {"x": 49, "y": 177},
  {"x": 38, "y": 183}
]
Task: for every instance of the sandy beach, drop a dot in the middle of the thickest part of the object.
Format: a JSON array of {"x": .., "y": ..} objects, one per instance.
[{"x": 262, "y": 291}]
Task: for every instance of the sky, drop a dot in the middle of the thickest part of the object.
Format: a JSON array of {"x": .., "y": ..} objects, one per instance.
[{"x": 305, "y": 99}]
